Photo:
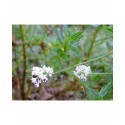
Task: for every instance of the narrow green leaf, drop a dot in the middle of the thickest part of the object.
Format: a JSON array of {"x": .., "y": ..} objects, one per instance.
[
  {"x": 109, "y": 46},
  {"x": 105, "y": 89},
  {"x": 59, "y": 37},
  {"x": 92, "y": 94},
  {"x": 66, "y": 47},
  {"x": 64, "y": 56},
  {"x": 73, "y": 48},
  {"x": 75, "y": 37},
  {"x": 110, "y": 29},
  {"x": 66, "y": 31},
  {"x": 53, "y": 52},
  {"x": 109, "y": 78}
]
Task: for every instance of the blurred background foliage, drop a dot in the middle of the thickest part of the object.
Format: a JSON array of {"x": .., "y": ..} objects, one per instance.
[{"x": 60, "y": 47}]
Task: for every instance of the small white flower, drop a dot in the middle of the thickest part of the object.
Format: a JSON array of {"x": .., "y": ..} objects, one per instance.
[
  {"x": 36, "y": 85},
  {"x": 36, "y": 71},
  {"x": 82, "y": 72},
  {"x": 35, "y": 82},
  {"x": 40, "y": 74},
  {"x": 43, "y": 77},
  {"x": 48, "y": 70}
]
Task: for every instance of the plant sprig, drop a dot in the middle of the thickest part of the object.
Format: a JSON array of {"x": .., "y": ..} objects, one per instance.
[{"x": 87, "y": 62}]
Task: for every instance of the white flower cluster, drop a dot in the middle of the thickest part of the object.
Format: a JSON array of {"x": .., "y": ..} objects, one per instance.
[
  {"x": 40, "y": 74},
  {"x": 82, "y": 72}
]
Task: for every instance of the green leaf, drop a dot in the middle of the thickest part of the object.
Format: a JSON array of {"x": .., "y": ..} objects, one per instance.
[
  {"x": 53, "y": 52},
  {"x": 109, "y": 46},
  {"x": 75, "y": 37},
  {"x": 66, "y": 31},
  {"x": 73, "y": 48},
  {"x": 109, "y": 78},
  {"x": 66, "y": 47},
  {"x": 64, "y": 56},
  {"x": 92, "y": 94},
  {"x": 105, "y": 89},
  {"x": 110, "y": 29},
  {"x": 59, "y": 37}
]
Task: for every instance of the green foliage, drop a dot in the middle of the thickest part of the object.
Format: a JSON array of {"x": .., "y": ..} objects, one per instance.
[
  {"x": 59, "y": 37},
  {"x": 92, "y": 94},
  {"x": 61, "y": 47},
  {"x": 109, "y": 46},
  {"x": 75, "y": 37},
  {"x": 105, "y": 89},
  {"x": 66, "y": 45},
  {"x": 108, "y": 28}
]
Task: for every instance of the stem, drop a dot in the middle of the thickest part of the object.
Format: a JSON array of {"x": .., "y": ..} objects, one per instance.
[
  {"x": 98, "y": 57},
  {"x": 24, "y": 63},
  {"x": 17, "y": 68},
  {"x": 93, "y": 40},
  {"x": 84, "y": 62},
  {"x": 101, "y": 73}
]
